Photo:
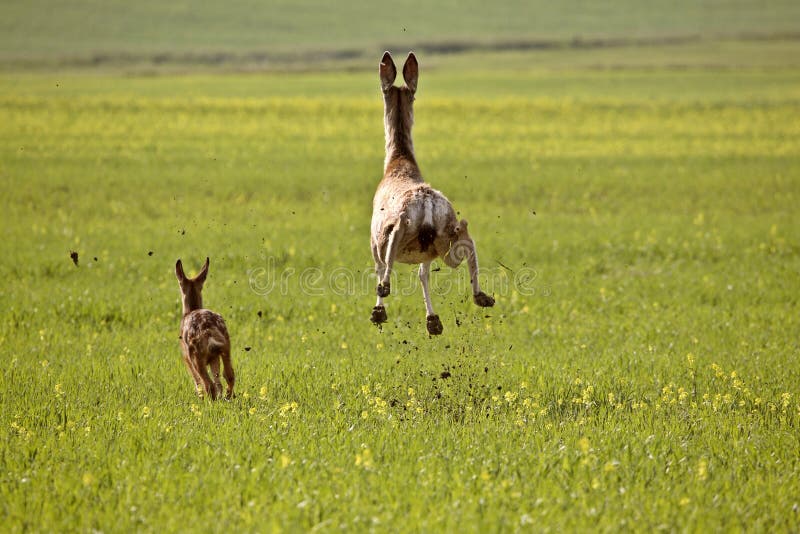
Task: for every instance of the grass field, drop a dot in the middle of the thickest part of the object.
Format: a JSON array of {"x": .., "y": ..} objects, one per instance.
[
  {"x": 635, "y": 211},
  {"x": 637, "y": 372}
]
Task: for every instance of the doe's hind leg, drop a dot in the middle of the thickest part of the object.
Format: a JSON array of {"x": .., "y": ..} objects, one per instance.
[
  {"x": 378, "y": 311},
  {"x": 464, "y": 248},
  {"x": 392, "y": 245}
]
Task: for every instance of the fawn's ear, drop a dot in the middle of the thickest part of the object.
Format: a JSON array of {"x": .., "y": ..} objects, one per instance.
[
  {"x": 387, "y": 71},
  {"x": 203, "y": 273},
  {"x": 179, "y": 271},
  {"x": 411, "y": 72}
]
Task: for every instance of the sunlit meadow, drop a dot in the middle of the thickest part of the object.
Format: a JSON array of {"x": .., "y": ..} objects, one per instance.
[{"x": 638, "y": 372}]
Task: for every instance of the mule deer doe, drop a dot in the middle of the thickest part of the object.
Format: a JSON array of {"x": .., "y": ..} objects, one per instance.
[
  {"x": 204, "y": 337},
  {"x": 411, "y": 221}
]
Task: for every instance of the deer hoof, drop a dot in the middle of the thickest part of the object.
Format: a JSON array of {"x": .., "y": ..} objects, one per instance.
[
  {"x": 434, "y": 325},
  {"x": 483, "y": 300},
  {"x": 383, "y": 290},
  {"x": 378, "y": 315}
]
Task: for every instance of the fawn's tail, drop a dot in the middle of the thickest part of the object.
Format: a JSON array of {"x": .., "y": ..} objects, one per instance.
[{"x": 215, "y": 346}]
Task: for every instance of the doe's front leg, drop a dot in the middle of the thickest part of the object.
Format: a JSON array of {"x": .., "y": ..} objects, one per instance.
[{"x": 432, "y": 322}]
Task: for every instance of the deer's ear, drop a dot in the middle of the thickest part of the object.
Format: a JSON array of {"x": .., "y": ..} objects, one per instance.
[
  {"x": 203, "y": 273},
  {"x": 387, "y": 71},
  {"x": 411, "y": 72},
  {"x": 179, "y": 271}
]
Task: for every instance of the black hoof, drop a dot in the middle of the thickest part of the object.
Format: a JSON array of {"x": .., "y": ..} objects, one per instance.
[
  {"x": 383, "y": 290},
  {"x": 434, "y": 325},
  {"x": 378, "y": 315},
  {"x": 483, "y": 300}
]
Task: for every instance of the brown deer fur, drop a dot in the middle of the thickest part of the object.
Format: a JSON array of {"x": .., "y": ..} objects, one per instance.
[
  {"x": 204, "y": 337},
  {"x": 411, "y": 221}
]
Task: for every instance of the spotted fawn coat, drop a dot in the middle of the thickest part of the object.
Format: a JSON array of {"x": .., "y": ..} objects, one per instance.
[{"x": 204, "y": 338}]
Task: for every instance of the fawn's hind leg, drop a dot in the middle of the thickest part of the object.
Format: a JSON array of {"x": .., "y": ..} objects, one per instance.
[
  {"x": 198, "y": 383},
  {"x": 230, "y": 378},
  {"x": 214, "y": 363},
  {"x": 208, "y": 386}
]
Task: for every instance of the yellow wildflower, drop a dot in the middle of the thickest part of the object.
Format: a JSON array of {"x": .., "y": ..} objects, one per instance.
[
  {"x": 289, "y": 407},
  {"x": 285, "y": 460},
  {"x": 702, "y": 470},
  {"x": 364, "y": 459}
]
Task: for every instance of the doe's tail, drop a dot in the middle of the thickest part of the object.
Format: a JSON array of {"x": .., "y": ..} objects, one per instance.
[{"x": 426, "y": 236}]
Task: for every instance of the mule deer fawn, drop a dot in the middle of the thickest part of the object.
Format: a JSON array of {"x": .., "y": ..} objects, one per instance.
[
  {"x": 411, "y": 221},
  {"x": 204, "y": 337}
]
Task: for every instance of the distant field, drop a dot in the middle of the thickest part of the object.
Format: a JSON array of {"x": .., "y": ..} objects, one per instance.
[
  {"x": 637, "y": 227},
  {"x": 281, "y": 34}
]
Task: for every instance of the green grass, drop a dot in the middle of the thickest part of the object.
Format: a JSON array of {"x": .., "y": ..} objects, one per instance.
[{"x": 638, "y": 371}]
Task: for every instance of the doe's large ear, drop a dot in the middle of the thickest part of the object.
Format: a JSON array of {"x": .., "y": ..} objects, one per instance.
[
  {"x": 179, "y": 271},
  {"x": 387, "y": 71},
  {"x": 203, "y": 273},
  {"x": 411, "y": 72}
]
